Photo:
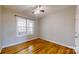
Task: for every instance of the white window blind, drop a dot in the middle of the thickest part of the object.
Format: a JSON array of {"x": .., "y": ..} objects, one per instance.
[
  {"x": 24, "y": 26},
  {"x": 21, "y": 26},
  {"x": 30, "y": 26}
]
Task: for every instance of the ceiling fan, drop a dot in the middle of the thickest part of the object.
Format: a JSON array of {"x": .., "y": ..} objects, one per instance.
[{"x": 38, "y": 10}]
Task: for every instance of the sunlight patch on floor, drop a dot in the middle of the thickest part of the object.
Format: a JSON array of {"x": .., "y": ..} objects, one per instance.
[{"x": 29, "y": 50}]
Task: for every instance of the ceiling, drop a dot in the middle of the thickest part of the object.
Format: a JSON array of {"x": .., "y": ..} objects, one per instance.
[{"x": 27, "y": 9}]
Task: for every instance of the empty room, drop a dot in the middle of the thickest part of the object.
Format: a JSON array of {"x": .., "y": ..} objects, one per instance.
[{"x": 39, "y": 29}]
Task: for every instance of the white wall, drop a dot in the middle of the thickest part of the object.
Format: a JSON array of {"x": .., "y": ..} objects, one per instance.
[
  {"x": 59, "y": 27},
  {"x": 9, "y": 28},
  {"x": 0, "y": 27}
]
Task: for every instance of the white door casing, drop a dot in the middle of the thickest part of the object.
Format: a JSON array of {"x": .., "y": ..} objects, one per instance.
[{"x": 77, "y": 29}]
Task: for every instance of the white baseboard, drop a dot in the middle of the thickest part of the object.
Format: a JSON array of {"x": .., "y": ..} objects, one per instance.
[
  {"x": 12, "y": 44},
  {"x": 59, "y": 43},
  {"x": 16, "y": 43}
]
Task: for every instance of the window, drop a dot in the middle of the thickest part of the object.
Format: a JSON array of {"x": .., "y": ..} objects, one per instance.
[
  {"x": 21, "y": 26},
  {"x": 30, "y": 26},
  {"x": 24, "y": 26}
]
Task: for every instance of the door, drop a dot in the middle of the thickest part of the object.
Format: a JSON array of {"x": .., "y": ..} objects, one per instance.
[{"x": 77, "y": 29}]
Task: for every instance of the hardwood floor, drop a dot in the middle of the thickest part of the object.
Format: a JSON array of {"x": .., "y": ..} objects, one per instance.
[{"x": 38, "y": 46}]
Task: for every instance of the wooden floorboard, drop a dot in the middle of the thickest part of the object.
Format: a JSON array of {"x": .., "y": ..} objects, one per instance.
[{"x": 38, "y": 46}]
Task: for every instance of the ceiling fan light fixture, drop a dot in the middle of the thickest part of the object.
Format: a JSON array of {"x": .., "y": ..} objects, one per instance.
[{"x": 38, "y": 10}]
